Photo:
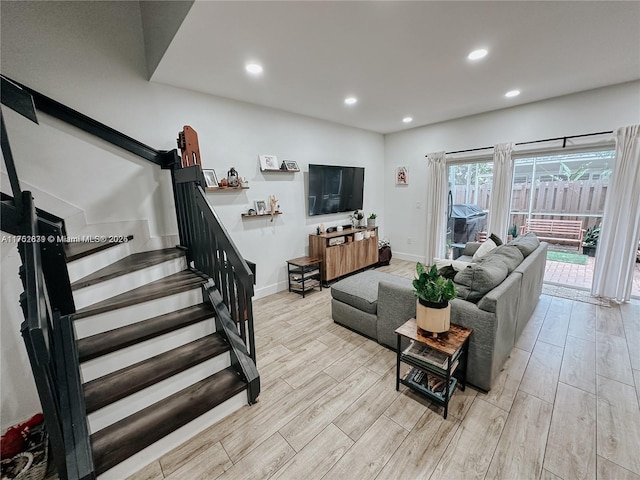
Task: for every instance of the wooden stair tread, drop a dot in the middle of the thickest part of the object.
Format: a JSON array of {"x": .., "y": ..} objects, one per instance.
[
  {"x": 124, "y": 382},
  {"x": 76, "y": 250},
  {"x": 131, "y": 263},
  {"x": 123, "y": 439},
  {"x": 176, "y": 283},
  {"x": 107, "y": 342}
]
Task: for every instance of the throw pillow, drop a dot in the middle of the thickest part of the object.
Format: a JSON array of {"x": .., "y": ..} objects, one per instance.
[
  {"x": 496, "y": 239},
  {"x": 458, "y": 265},
  {"x": 510, "y": 255},
  {"x": 484, "y": 250},
  {"x": 478, "y": 279},
  {"x": 526, "y": 243}
]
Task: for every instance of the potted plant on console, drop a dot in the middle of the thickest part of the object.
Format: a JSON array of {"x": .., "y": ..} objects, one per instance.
[
  {"x": 590, "y": 241},
  {"x": 433, "y": 311},
  {"x": 371, "y": 221}
]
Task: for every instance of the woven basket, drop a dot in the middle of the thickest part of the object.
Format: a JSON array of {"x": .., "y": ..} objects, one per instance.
[{"x": 38, "y": 446}]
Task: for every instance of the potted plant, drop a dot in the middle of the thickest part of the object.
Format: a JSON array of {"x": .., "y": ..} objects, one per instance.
[
  {"x": 371, "y": 221},
  {"x": 512, "y": 232},
  {"x": 433, "y": 311},
  {"x": 590, "y": 241}
]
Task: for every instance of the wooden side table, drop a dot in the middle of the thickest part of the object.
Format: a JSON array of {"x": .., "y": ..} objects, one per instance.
[
  {"x": 433, "y": 359},
  {"x": 304, "y": 274}
]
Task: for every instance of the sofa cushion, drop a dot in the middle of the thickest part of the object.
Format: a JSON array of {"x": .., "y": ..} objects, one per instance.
[
  {"x": 526, "y": 243},
  {"x": 510, "y": 255},
  {"x": 479, "y": 278},
  {"x": 361, "y": 290}
]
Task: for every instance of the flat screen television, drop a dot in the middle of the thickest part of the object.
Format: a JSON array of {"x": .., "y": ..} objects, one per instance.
[{"x": 334, "y": 189}]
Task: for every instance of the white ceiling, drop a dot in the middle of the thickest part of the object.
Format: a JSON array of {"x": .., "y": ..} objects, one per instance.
[{"x": 401, "y": 58}]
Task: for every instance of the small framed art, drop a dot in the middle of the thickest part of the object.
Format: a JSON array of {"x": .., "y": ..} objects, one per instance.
[
  {"x": 210, "y": 177},
  {"x": 402, "y": 175},
  {"x": 269, "y": 162},
  {"x": 261, "y": 207},
  {"x": 292, "y": 165}
]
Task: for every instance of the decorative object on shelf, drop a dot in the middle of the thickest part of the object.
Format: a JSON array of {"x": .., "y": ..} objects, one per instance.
[
  {"x": 210, "y": 177},
  {"x": 433, "y": 311},
  {"x": 273, "y": 205},
  {"x": 371, "y": 221},
  {"x": 268, "y": 162},
  {"x": 222, "y": 183},
  {"x": 244, "y": 183},
  {"x": 251, "y": 212},
  {"x": 402, "y": 175},
  {"x": 590, "y": 241},
  {"x": 261, "y": 207},
  {"x": 356, "y": 217},
  {"x": 233, "y": 180},
  {"x": 291, "y": 166},
  {"x": 188, "y": 145}
]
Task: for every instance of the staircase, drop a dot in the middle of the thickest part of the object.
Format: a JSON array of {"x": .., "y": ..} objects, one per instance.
[
  {"x": 132, "y": 352},
  {"x": 151, "y": 360}
]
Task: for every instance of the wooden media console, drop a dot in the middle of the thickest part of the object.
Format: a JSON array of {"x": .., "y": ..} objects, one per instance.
[{"x": 344, "y": 258}]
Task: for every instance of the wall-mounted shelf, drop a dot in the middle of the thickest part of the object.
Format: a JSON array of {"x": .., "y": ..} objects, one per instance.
[
  {"x": 279, "y": 170},
  {"x": 224, "y": 189},
  {"x": 257, "y": 215}
]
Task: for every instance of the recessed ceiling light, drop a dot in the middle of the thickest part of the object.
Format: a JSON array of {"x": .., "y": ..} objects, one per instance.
[
  {"x": 350, "y": 100},
  {"x": 254, "y": 68},
  {"x": 477, "y": 54},
  {"x": 512, "y": 93},
  {"x": 407, "y": 119}
]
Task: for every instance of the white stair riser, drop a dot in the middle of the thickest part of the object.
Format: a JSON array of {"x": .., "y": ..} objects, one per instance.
[
  {"x": 129, "y": 405},
  {"x": 87, "y": 265},
  {"x": 175, "y": 439},
  {"x": 120, "y": 317},
  {"x": 101, "y": 366},
  {"x": 123, "y": 283}
]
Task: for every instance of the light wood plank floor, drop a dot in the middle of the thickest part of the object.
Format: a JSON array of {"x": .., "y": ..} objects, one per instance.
[{"x": 565, "y": 406}]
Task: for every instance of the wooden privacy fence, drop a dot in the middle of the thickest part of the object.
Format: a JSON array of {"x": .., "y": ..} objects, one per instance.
[{"x": 558, "y": 199}]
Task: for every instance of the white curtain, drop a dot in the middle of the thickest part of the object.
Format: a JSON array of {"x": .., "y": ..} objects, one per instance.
[
  {"x": 436, "y": 207},
  {"x": 500, "y": 202},
  {"x": 620, "y": 230}
]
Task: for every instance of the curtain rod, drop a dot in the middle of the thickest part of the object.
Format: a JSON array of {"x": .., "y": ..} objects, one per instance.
[{"x": 564, "y": 142}]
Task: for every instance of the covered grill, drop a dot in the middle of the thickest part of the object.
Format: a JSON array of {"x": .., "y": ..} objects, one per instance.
[{"x": 465, "y": 222}]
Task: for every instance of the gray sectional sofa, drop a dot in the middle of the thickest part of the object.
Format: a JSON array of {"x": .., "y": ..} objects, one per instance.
[{"x": 496, "y": 297}]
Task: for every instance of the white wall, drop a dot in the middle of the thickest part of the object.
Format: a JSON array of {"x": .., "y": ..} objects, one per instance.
[
  {"x": 89, "y": 56},
  {"x": 593, "y": 111}
]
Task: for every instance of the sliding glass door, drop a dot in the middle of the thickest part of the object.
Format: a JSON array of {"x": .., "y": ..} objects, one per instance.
[{"x": 561, "y": 198}]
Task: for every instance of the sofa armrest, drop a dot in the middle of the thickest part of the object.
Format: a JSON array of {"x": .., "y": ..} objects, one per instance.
[
  {"x": 470, "y": 248},
  {"x": 396, "y": 305}
]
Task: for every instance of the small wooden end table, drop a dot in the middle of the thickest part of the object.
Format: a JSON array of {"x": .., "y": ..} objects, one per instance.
[
  {"x": 305, "y": 275},
  {"x": 440, "y": 357}
]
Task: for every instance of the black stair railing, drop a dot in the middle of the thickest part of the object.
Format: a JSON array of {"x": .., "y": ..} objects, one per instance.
[{"x": 212, "y": 252}]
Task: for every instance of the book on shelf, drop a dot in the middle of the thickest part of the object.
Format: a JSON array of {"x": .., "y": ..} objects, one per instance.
[
  {"x": 426, "y": 381},
  {"x": 297, "y": 274},
  {"x": 425, "y": 354},
  {"x": 308, "y": 284}
]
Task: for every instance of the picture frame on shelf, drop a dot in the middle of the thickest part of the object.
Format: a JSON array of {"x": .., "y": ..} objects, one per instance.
[
  {"x": 269, "y": 162},
  {"x": 261, "y": 207},
  {"x": 292, "y": 165},
  {"x": 210, "y": 177}
]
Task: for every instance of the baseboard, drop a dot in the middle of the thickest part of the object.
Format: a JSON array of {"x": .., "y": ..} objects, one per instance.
[{"x": 407, "y": 256}]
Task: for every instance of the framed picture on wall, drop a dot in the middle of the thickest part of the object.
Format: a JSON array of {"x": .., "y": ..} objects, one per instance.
[
  {"x": 269, "y": 162},
  {"x": 402, "y": 175},
  {"x": 210, "y": 177}
]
